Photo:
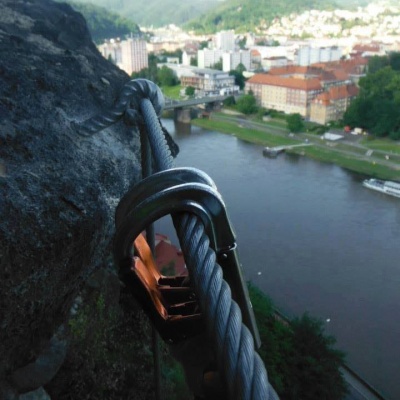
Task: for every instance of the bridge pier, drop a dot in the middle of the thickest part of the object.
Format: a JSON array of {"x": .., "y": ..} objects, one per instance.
[{"x": 182, "y": 115}]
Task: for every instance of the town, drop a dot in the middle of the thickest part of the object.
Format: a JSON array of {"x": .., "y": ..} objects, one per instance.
[{"x": 308, "y": 64}]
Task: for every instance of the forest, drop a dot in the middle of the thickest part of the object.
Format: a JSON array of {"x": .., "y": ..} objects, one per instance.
[
  {"x": 104, "y": 24},
  {"x": 233, "y": 15}
]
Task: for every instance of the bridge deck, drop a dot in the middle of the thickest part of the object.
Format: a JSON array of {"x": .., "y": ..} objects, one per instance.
[{"x": 171, "y": 103}]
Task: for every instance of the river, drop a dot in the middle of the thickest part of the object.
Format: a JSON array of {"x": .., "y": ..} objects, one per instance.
[{"x": 322, "y": 242}]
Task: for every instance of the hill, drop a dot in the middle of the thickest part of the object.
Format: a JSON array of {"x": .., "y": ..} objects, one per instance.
[
  {"x": 247, "y": 16},
  {"x": 157, "y": 12},
  {"x": 104, "y": 24}
]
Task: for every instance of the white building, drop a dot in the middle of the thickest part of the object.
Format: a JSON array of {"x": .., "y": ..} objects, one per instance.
[
  {"x": 273, "y": 62},
  {"x": 111, "y": 49},
  {"x": 206, "y": 58},
  {"x": 310, "y": 55},
  {"x": 187, "y": 57},
  {"x": 210, "y": 82},
  {"x": 225, "y": 40},
  {"x": 230, "y": 60},
  {"x": 130, "y": 55}
]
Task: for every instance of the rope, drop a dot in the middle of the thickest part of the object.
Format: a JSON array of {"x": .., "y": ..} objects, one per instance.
[{"x": 242, "y": 369}]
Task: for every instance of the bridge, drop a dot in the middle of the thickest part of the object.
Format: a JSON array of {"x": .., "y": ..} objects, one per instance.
[{"x": 182, "y": 107}]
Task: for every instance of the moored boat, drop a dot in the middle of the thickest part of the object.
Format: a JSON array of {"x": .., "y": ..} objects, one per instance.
[{"x": 387, "y": 187}]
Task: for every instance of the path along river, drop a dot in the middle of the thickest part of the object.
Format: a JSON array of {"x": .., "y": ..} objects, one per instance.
[{"x": 322, "y": 242}]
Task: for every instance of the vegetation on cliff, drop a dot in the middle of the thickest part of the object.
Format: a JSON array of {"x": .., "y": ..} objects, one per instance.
[{"x": 301, "y": 359}]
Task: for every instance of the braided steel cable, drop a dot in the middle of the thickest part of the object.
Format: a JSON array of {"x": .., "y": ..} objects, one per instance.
[
  {"x": 240, "y": 365},
  {"x": 242, "y": 368},
  {"x": 244, "y": 373},
  {"x": 131, "y": 96}
]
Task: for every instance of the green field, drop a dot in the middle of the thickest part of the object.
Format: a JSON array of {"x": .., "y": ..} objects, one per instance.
[
  {"x": 249, "y": 135},
  {"x": 332, "y": 154},
  {"x": 172, "y": 91},
  {"x": 382, "y": 144}
]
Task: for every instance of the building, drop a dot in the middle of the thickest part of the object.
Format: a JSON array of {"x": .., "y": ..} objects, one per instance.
[
  {"x": 321, "y": 92},
  {"x": 273, "y": 62},
  {"x": 210, "y": 82},
  {"x": 255, "y": 56},
  {"x": 310, "y": 55},
  {"x": 188, "y": 56},
  {"x": 163, "y": 46},
  {"x": 225, "y": 40},
  {"x": 130, "y": 55},
  {"x": 332, "y": 104},
  {"x": 207, "y": 58},
  {"x": 111, "y": 49},
  {"x": 230, "y": 60},
  {"x": 284, "y": 93}
]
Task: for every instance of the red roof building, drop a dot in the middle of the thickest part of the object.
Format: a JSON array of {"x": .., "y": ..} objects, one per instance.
[{"x": 332, "y": 104}]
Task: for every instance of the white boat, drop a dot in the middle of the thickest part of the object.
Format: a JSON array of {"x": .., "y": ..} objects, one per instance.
[{"x": 388, "y": 187}]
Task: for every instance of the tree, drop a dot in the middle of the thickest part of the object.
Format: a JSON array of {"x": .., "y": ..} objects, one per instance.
[
  {"x": 301, "y": 360},
  {"x": 229, "y": 101},
  {"x": 242, "y": 42},
  {"x": 394, "y": 60},
  {"x": 295, "y": 123},
  {"x": 217, "y": 65},
  {"x": 376, "y": 63},
  {"x": 193, "y": 61},
  {"x": 239, "y": 78},
  {"x": 376, "y": 108},
  {"x": 247, "y": 104},
  {"x": 166, "y": 76},
  {"x": 190, "y": 90},
  {"x": 314, "y": 363}
]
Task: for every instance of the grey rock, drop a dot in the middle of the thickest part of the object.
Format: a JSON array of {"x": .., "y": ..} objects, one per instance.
[
  {"x": 43, "y": 369},
  {"x": 39, "y": 394},
  {"x": 58, "y": 191}
]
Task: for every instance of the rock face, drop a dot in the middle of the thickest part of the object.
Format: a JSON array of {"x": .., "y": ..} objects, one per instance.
[{"x": 58, "y": 190}]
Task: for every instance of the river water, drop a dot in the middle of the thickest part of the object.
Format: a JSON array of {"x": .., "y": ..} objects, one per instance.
[{"x": 322, "y": 242}]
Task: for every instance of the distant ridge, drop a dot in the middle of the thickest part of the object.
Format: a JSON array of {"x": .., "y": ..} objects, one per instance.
[
  {"x": 247, "y": 15},
  {"x": 157, "y": 12}
]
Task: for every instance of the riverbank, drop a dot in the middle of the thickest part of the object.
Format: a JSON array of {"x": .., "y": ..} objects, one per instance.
[{"x": 347, "y": 155}]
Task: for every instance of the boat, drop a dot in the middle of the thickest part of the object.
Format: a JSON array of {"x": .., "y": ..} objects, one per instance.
[{"x": 387, "y": 187}]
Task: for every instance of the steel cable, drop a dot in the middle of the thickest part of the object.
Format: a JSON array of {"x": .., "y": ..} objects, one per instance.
[{"x": 243, "y": 371}]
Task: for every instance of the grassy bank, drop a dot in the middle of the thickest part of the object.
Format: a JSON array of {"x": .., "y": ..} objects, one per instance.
[
  {"x": 249, "y": 135},
  {"x": 337, "y": 154}
]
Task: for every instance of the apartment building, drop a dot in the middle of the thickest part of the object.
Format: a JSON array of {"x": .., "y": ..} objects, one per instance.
[
  {"x": 230, "y": 60},
  {"x": 284, "y": 93},
  {"x": 332, "y": 104},
  {"x": 130, "y": 55},
  {"x": 207, "y": 58},
  {"x": 225, "y": 40},
  {"x": 310, "y": 55},
  {"x": 210, "y": 82},
  {"x": 321, "y": 92}
]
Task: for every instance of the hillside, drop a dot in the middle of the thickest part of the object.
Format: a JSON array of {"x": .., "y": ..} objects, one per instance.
[
  {"x": 245, "y": 16},
  {"x": 157, "y": 12},
  {"x": 104, "y": 24}
]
